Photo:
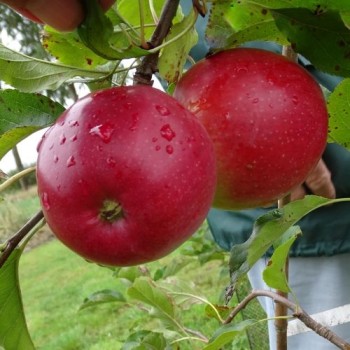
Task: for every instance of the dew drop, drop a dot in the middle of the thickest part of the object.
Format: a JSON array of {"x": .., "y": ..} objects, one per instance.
[
  {"x": 74, "y": 138},
  {"x": 45, "y": 201},
  {"x": 157, "y": 148},
  {"x": 62, "y": 139},
  {"x": 169, "y": 149},
  {"x": 295, "y": 100},
  {"x": 103, "y": 131},
  {"x": 55, "y": 158},
  {"x": 154, "y": 139},
  {"x": 73, "y": 123},
  {"x": 162, "y": 110},
  {"x": 255, "y": 100},
  {"x": 111, "y": 162},
  {"x": 167, "y": 132},
  {"x": 71, "y": 161}
]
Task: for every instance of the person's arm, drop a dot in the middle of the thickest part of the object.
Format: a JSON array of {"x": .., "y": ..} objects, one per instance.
[{"x": 63, "y": 15}]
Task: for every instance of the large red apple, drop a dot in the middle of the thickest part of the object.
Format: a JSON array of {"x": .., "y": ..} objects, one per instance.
[
  {"x": 126, "y": 175},
  {"x": 266, "y": 117}
]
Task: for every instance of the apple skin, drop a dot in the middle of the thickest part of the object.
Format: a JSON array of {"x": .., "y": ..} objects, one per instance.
[
  {"x": 267, "y": 118},
  {"x": 136, "y": 147}
]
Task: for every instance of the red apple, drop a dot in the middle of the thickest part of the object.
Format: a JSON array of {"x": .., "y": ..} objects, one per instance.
[
  {"x": 267, "y": 118},
  {"x": 126, "y": 175}
]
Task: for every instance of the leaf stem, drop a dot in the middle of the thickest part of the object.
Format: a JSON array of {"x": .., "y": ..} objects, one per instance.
[{"x": 13, "y": 242}]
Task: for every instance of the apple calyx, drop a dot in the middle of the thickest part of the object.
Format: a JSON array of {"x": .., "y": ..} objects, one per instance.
[{"x": 111, "y": 211}]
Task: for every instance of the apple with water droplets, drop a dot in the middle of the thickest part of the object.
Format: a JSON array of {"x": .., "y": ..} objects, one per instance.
[
  {"x": 125, "y": 175},
  {"x": 267, "y": 118}
]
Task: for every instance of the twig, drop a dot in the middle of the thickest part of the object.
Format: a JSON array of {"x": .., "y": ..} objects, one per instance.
[
  {"x": 149, "y": 65},
  {"x": 16, "y": 177},
  {"x": 13, "y": 242},
  {"x": 297, "y": 312},
  {"x": 281, "y": 310}
]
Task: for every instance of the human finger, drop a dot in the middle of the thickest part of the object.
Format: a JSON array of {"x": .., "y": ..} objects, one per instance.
[{"x": 319, "y": 181}]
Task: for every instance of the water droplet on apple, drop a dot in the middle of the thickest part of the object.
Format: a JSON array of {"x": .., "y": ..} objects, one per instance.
[
  {"x": 74, "y": 138},
  {"x": 73, "y": 123},
  {"x": 154, "y": 139},
  {"x": 157, "y": 148},
  {"x": 242, "y": 70},
  {"x": 111, "y": 162},
  {"x": 169, "y": 149},
  {"x": 55, "y": 158},
  {"x": 62, "y": 139},
  {"x": 71, "y": 161},
  {"x": 103, "y": 131},
  {"x": 255, "y": 100},
  {"x": 167, "y": 132},
  {"x": 45, "y": 201},
  {"x": 295, "y": 100},
  {"x": 163, "y": 110}
]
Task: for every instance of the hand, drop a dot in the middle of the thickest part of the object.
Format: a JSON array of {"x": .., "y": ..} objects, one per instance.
[
  {"x": 63, "y": 15},
  {"x": 318, "y": 182}
]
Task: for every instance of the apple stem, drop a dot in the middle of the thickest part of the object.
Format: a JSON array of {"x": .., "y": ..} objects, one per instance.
[
  {"x": 111, "y": 211},
  {"x": 149, "y": 64}
]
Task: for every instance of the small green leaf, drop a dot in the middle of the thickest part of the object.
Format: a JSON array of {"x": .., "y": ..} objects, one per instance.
[
  {"x": 339, "y": 114},
  {"x": 146, "y": 340},
  {"x": 323, "y": 39},
  {"x": 29, "y": 74},
  {"x": 14, "y": 333},
  {"x": 227, "y": 333},
  {"x": 144, "y": 290},
  {"x": 267, "y": 229},
  {"x": 274, "y": 274},
  {"x": 102, "y": 297},
  {"x": 68, "y": 49},
  {"x": 22, "y": 114},
  {"x": 163, "y": 306},
  {"x": 129, "y": 273},
  {"x": 232, "y": 24},
  {"x": 174, "y": 55},
  {"x": 97, "y": 33}
]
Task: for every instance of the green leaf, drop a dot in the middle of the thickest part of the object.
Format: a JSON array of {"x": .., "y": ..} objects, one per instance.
[
  {"x": 225, "y": 334},
  {"x": 267, "y": 229},
  {"x": 22, "y": 114},
  {"x": 318, "y": 6},
  {"x": 29, "y": 74},
  {"x": 97, "y": 33},
  {"x": 102, "y": 297},
  {"x": 68, "y": 49},
  {"x": 339, "y": 114},
  {"x": 274, "y": 274},
  {"x": 323, "y": 39},
  {"x": 146, "y": 340},
  {"x": 174, "y": 56},
  {"x": 232, "y": 24},
  {"x": 144, "y": 290},
  {"x": 14, "y": 333},
  {"x": 129, "y": 273},
  {"x": 172, "y": 269}
]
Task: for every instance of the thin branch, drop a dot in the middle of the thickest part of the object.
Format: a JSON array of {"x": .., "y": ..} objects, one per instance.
[
  {"x": 16, "y": 177},
  {"x": 149, "y": 65},
  {"x": 297, "y": 312},
  {"x": 14, "y": 241}
]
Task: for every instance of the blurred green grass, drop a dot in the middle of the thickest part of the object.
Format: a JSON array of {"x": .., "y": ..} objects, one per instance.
[{"x": 55, "y": 281}]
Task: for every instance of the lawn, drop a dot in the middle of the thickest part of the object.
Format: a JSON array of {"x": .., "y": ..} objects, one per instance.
[{"x": 55, "y": 281}]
